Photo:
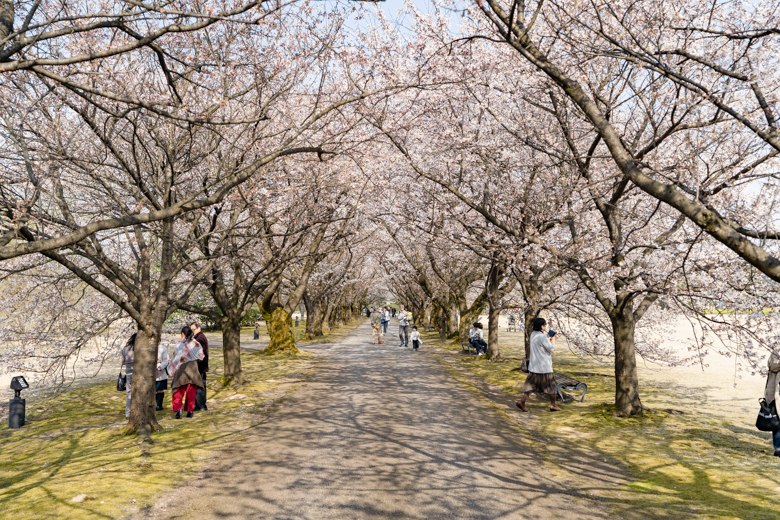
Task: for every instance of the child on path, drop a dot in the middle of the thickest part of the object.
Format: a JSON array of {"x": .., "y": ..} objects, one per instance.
[{"x": 416, "y": 341}]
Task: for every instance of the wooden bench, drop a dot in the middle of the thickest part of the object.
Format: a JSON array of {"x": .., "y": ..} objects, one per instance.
[
  {"x": 564, "y": 384},
  {"x": 469, "y": 348}
]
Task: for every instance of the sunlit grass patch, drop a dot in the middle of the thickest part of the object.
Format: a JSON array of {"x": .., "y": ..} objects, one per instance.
[
  {"x": 681, "y": 462},
  {"x": 299, "y": 333},
  {"x": 73, "y": 445}
]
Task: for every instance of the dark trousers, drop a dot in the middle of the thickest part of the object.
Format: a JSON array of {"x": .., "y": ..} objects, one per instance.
[
  {"x": 200, "y": 394},
  {"x": 403, "y": 334},
  {"x": 480, "y": 344}
]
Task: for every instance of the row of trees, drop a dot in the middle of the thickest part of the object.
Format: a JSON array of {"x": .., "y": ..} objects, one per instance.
[
  {"x": 584, "y": 181},
  {"x": 612, "y": 163}
]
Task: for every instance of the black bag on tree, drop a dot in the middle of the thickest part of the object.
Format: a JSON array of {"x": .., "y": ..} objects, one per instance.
[
  {"x": 767, "y": 420},
  {"x": 121, "y": 381}
]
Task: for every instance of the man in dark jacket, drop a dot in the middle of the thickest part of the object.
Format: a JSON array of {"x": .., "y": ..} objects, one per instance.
[{"x": 203, "y": 367}]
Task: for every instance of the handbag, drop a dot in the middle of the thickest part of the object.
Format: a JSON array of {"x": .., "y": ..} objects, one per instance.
[
  {"x": 524, "y": 366},
  {"x": 121, "y": 381},
  {"x": 767, "y": 420}
]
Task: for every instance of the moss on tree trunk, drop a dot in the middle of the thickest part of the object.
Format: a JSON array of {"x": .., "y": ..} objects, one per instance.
[
  {"x": 627, "y": 400},
  {"x": 280, "y": 330}
]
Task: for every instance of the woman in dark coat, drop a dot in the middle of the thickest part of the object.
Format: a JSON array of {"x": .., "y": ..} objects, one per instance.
[{"x": 184, "y": 370}]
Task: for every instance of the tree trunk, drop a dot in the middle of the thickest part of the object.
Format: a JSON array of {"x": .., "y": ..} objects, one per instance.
[
  {"x": 529, "y": 315},
  {"x": 231, "y": 351},
  {"x": 494, "y": 310},
  {"x": 627, "y": 401},
  {"x": 313, "y": 317},
  {"x": 452, "y": 325},
  {"x": 327, "y": 320},
  {"x": 470, "y": 316},
  {"x": 142, "y": 385},
  {"x": 427, "y": 315},
  {"x": 493, "y": 314},
  {"x": 280, "y": 330},
  {"x": 531, "y": 293}
]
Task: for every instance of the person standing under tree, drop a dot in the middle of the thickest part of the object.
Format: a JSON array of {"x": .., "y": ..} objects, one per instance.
[
  {"x": 161, "y": 384},
  {"x": 403, "y": 326},
  {"x": 540, "y": 378},
  {"x": 203, "y": 367},
  {"x": 770, "y": 393},
  {"x": 128, "y": 356},
  {"x": 184, "y": 370},
  {"x": 376, "y": 326}
]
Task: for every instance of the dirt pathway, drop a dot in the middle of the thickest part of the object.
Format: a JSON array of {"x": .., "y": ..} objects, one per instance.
[{"x": 383, "y": 432}]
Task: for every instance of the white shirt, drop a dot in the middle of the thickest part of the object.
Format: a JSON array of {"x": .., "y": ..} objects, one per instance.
[
  {"x": 541, "y": 353},
  {"x": 416, "y": 336}
]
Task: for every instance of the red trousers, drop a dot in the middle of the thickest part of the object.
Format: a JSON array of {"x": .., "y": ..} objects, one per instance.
[{"x": 178, "y": 396}]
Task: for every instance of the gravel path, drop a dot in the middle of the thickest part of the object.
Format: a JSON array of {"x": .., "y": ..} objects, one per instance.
[{"x": 379, "y": 431}]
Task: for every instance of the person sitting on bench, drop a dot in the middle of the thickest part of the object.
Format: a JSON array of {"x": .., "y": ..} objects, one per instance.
[{"x": 477, "y": 339}]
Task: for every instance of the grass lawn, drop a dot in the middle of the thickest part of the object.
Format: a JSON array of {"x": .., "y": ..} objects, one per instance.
[
  {"x": 299, "y": 332},
  {"x": 692, "y": 464},
  {"x": 72, "y": 444}
]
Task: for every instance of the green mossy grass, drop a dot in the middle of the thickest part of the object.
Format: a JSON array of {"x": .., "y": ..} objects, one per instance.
[
  {"x": 678, "y": 465},
  {"x": 73, "y": 442},
  {"x": 299, "y": 333}
]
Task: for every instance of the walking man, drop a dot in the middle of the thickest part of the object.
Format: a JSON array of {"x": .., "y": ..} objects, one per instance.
[
  {"x": 203, "y": 368},
  {"x": 403, "y": 326},
  {"x": 376, "y": 326}
]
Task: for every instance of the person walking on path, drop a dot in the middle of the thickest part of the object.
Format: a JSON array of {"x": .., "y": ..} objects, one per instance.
[
  {"x": 162, "y": 375},
  {"x": 128, "y": 356},
  {"x": 184, "y": 370},
  {"x": 416, "y": 341},
  {"x": 403, "y": 326},
  {"x": 540, "y": 378},
  {"x": 385, "y": 319},
  {"x": 770, "y": 393},
  {"x": 376, "y": 326},
  {"x": 203, "y": 367}
]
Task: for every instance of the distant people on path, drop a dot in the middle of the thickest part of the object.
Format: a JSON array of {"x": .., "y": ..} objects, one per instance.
[
  {"x": 477, "y": 338},
  {"x": 128, "y": 356},
  {"x": 385, "y": 319},
  {"x": 416, "y": 341},
  {"x": 403, "y": 326},
  {"x": 770, "y": 393},
  {"x": 540, "y": 378},
  {"x": 184, "y": 370},
  {"x": 161, "y": 384},
  {"x": 368, "y": 312},
  {"x": 376, "y": 327},
  {"x": 393, "y": 311},
  {"x": 203, "y": 367}
]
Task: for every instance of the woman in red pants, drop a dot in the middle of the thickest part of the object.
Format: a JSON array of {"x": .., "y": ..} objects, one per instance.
[{"x": 186, "y": 377}]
